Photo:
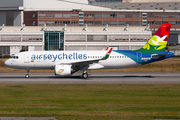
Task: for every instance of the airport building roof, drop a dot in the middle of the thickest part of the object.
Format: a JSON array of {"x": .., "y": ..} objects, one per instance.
[
  {"x": 48, "y": 5},
  {"x": 145, "y": 6},
  {"x": 102, "y": 2},
  {"x": 81, "y": 29},
  {"x": 69, "y": 5},
  {"x": 149, "y": 1}
]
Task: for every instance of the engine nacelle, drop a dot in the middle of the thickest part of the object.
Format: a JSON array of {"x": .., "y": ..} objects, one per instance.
[{"x": 63, "y": 70}]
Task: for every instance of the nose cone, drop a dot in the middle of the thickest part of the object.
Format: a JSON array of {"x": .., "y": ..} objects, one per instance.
[{"x": 7, "y": 63}]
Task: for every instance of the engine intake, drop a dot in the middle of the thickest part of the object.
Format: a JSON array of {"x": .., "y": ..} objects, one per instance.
[{"x": 63, "y": 70}]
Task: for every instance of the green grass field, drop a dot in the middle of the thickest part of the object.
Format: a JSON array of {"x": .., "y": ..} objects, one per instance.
[{"x": 87, "y": 102}]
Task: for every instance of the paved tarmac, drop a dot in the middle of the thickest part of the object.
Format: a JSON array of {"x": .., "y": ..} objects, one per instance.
[{"x": 94, "y": 78}]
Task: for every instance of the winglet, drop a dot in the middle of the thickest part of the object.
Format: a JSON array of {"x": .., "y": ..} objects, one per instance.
[
  {"x": 107, "y": 48},
  {"x": 108, "y": 53}
]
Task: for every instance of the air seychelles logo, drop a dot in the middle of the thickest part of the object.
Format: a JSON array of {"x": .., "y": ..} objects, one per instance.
[
  {"x": 61, "y": 71},
  {"x": 54, "y": 57},
  {"x": 156, "y": 43}
]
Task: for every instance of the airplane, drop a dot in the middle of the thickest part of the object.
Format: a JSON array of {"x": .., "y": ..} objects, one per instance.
[{"x": 66, "y": 63}]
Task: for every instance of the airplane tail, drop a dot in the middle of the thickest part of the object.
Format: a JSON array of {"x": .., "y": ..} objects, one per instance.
[{"x": 158, "y": 41}]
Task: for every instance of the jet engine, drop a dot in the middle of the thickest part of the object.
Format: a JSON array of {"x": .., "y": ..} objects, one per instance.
[{"x": 63, "y": 70}]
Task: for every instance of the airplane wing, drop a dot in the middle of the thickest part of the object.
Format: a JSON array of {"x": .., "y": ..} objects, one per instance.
[{"x": 87, "y": 62}]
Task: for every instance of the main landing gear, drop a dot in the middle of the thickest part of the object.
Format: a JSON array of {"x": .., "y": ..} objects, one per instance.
[
  {"x": 85, "y": 75},
  {"x": 27, "y": 75}
]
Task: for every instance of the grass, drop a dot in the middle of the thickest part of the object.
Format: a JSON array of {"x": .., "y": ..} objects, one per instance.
[
  {"x": 167, "y": 65},
  {"x": 86, "y": 102},
  {"x": 97, "y": 102}
]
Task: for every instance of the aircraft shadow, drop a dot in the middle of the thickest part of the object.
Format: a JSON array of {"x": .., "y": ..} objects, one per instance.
[
  {"x": 74, "y": 77},
  {"x": 113, "y": 76},
  {"x": 89, "y": 78}
]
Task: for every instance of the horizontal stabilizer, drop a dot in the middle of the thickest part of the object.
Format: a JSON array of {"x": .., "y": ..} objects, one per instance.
[{"x": 156, "y": 56}]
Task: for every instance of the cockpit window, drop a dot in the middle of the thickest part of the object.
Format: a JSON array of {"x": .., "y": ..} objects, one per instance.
[{"x": 14, "y": 57}]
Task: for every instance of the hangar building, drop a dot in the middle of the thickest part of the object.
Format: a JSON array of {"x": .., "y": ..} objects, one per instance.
[{"x": 14, "y": 39}]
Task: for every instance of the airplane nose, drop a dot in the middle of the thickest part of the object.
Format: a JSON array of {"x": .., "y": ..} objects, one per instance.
[{"x": 7, "y": 63}]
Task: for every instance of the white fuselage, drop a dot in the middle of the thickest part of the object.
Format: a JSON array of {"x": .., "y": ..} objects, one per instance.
[{"x": 48, "y": 59}]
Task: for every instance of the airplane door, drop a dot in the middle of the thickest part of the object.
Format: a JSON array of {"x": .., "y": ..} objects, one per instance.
[
  {"x": 139, "y": 56},
  {"x": 26, "y": 58}
]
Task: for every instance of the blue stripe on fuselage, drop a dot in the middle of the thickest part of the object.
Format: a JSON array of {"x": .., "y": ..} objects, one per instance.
[{"x": 143, "y": 58}]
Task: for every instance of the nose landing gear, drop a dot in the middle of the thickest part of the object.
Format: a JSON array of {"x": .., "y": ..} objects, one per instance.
[{"x": 27, "y": 75}]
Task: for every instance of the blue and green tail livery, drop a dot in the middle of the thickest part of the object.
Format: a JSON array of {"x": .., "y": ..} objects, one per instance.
[{"x": 154, "y": 49}]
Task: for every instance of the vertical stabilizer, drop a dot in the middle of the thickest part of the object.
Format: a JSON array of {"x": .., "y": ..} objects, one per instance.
[{"x": 158, "y": 41}]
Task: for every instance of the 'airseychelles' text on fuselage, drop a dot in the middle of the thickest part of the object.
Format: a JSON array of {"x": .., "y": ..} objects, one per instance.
[{"x": 63, "y": 56}]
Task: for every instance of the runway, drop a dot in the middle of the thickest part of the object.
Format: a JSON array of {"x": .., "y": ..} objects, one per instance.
[{"x": 94, "y": 78}]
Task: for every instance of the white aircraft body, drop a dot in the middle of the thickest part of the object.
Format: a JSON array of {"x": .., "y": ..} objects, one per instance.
[{"x": 66, "y": 63}]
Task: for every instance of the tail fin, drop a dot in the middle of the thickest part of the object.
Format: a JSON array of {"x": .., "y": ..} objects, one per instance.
[{"x": 158, "y": 41}]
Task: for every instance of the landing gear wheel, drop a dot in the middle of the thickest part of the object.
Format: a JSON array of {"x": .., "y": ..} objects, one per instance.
[
  {"x": 27, "y": 76},
  {"x": 85, "y": 75}
]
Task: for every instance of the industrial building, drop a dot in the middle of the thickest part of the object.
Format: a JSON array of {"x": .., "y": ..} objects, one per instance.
[
  {"x": 17, "y": 38},
  {"x": 73, "y": 25}
]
